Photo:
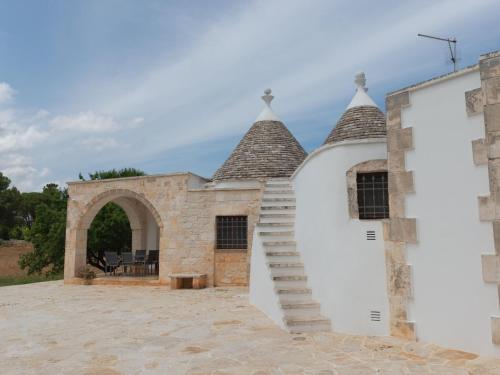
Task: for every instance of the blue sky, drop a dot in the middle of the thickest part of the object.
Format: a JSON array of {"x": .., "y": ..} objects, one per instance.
[{"x": 170, "y": 86}]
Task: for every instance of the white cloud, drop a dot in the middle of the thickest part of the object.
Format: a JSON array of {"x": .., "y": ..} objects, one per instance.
[
  {"x": 100, "y": 144},
  {"x": 85, "y": 122},
  {"x": 6, "y": 92},
  {"x": 20, "y": 169},
  {"x": 21, "y": 139}
]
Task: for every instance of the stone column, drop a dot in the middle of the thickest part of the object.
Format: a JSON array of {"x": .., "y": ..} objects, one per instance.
[
  {"x": 138, "y": 239},
  {"x": 163, "y": 263},
  {"x": 75, "y": 253}
]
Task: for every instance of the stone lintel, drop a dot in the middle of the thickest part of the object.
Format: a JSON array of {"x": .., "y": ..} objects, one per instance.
[
  {"x": 474, "y": 101},
  {"x": 403, "y": 230}
]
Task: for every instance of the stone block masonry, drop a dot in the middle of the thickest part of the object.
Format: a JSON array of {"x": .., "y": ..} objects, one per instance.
[
  {"x": 183, "y": 210},
  {"x": 487, "y": 100},
  {"x": 398, "y": 230}
]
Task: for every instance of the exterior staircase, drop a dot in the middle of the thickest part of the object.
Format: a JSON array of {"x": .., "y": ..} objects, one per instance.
[{"x": 276, "y": 230}]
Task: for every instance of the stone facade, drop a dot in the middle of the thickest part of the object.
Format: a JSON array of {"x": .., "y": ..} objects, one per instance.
[
  {"x": 184, "y": 212},
  {"x": 398, "y": 230},
  {"x": 487, "y": 151}
]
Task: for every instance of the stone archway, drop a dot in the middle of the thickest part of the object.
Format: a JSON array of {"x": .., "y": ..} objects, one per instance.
[{"x": 145, "y": 223}]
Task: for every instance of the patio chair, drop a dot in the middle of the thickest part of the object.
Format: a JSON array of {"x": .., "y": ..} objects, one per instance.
[
  {"x": 140, "y": 259},
  {"x": 152, "y": 261},
  {"x": 112, "y": 262},
  {"x": 127, "y": 261}
]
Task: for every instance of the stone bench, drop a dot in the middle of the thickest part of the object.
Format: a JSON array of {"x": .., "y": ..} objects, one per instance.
[{"x": 188, "y": 281}]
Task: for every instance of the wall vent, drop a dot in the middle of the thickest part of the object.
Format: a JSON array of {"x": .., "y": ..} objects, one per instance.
[
  {"x": 375, "y": 316},
  {"x": 370, "y": 235}
]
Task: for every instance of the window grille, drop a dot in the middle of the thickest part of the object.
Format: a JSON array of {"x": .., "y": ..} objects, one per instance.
[
  {"x": 232, "y": 232},
  {"x": 373, "y": 195}
]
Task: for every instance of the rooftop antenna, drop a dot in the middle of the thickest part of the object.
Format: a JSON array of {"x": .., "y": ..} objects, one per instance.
[{"x": 453, "y": 49}]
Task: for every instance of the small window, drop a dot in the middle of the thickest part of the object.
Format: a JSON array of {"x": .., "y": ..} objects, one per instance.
[
  {"x": 232, "y": 232},
  {"x": 373, "y": 195}
]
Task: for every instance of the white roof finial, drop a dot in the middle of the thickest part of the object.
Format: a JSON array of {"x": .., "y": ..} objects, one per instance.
[
  {"x": 268, "y": 97},
  {"x": 361, "y": 98},
  {"x": 267, "y": 113},
  {"x": 361, "y": 81}
]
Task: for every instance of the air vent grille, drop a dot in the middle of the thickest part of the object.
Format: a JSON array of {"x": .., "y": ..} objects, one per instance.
[
  {"x": 375, "y": 316},
  {"x": 370, "y": 235}
]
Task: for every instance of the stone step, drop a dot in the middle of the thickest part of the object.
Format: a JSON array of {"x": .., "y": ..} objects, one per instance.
[
  {"x": 295, "y": 281},
  {"x": 282, "y": 253},
  {"x": 301, "y": 310},
  {"x": 284, "y": 258},
  {"x": 299, "y": 305},
  {"x": 277, "y": 220},
  {"x": 279, "y": 245},
  {"x": 277, "y": 206},
  {"x": 275, "y": 225},
  {"x": 276, "y": 191},
  {"x": 318, "y": 324},
  {"x": 286, "y": 265},
  {"x": 283, "y": 233},
  {"x": 277, "y": 181},
  {"x": 293, "y": 291},
  {"x": 290, "y": 278},
  {"x": 276, "y": 236},
  {"x": 287, "y": 271},
  {"x": 279, "y": 210},
  {"x": 278, "y": 230},
  {"x": 269, "y": 197},
  {"x": 279, "y": 199},
  {"x": 279, "y": 214},
  {"x": 282, "y": 187}
]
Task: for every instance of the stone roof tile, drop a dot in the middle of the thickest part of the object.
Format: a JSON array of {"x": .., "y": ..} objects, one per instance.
[
  {"x": 267, "y": 150},
  {"x": 359, "y": 122}
]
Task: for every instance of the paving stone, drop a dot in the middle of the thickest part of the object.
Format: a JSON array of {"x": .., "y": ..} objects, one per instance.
[{"x": 52, "y": 328}]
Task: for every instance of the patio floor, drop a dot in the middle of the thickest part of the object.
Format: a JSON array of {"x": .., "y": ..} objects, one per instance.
[{"x": 51, "y": 328}]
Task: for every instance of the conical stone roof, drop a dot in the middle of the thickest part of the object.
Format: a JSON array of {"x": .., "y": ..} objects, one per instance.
[
  {"x": 267, "y": 150},
  {"x": 362, "y": 118}
]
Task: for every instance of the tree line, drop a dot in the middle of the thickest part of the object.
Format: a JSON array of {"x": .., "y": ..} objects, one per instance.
[{"x": 40, "y": 218}]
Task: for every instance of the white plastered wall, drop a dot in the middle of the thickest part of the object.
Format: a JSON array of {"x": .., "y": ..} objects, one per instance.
[
  {"x": 451, "y": 305},
  {"x": 345, "y": 271},
  {"x": 262, "y": 294}
]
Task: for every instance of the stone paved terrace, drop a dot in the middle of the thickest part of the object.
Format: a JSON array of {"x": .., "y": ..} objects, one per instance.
[{"x": 49, "y": 328}]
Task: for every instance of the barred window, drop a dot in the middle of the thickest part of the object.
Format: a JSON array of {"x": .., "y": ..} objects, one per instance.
[
  {"x": 232, "y": 232},
  {"x": 373, "y": 195}
]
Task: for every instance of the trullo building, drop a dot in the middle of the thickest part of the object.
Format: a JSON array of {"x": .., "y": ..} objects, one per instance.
[{"x": 390, "y": 227}]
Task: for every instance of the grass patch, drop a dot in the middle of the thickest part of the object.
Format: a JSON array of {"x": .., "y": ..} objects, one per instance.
[{"x": 18, "y": 280}]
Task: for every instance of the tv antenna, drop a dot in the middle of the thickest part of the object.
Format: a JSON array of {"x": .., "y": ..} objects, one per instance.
[{"x": 453, "y": 49}]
